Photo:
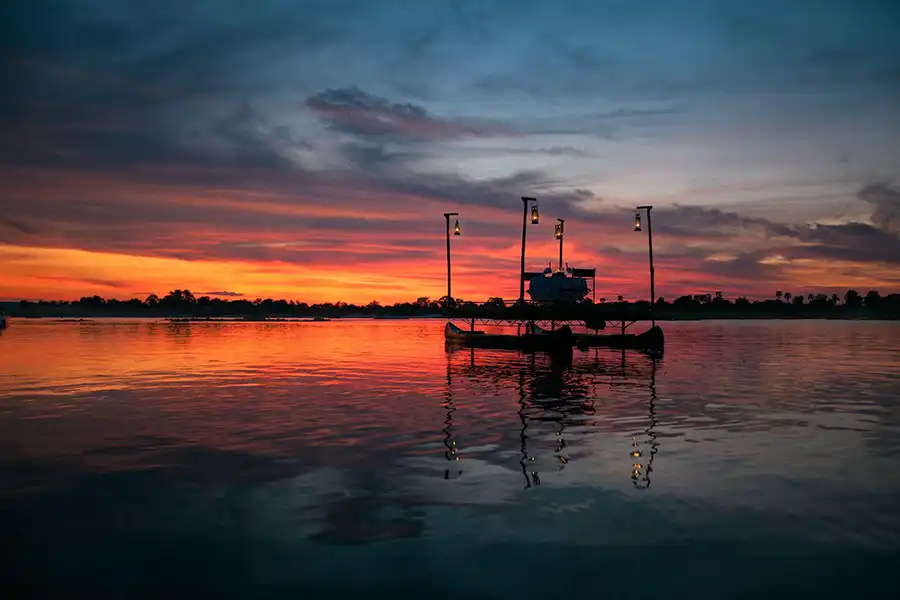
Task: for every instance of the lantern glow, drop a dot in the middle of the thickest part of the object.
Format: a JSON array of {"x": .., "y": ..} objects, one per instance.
[
  {"x": 558, "y": 232},
  {"x": 535, "y": 217},
  {"x": 456, "y": 228},
  {"x": 637, "y": 221}
]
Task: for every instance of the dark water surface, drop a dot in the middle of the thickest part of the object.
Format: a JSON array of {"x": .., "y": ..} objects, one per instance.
[{"x": 361, "y": 459}]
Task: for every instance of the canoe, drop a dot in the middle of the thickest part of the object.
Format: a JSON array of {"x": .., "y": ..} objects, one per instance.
[
  {"x": 560, "y": 339},
  {"x": 652, "y": 339}
]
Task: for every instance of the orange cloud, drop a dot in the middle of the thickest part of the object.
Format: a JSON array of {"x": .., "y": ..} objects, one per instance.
[{"x": 80, "y": 233}]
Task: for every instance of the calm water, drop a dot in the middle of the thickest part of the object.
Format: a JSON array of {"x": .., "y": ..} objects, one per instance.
[{"x": 362, "y": 459}]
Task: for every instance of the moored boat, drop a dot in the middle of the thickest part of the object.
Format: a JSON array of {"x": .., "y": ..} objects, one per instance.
[
  {"x": 560, "y": 339},
  {"x": 562, "y": 286},
  {"x": 652, "y": 339}
]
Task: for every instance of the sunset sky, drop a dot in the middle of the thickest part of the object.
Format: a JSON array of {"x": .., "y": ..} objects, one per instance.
[{"x": 306, "y": 149}]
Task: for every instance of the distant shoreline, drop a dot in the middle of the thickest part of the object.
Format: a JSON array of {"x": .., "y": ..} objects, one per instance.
[
  {"x": 182, "y": 305},
  {"x": 175, "y": 318}
]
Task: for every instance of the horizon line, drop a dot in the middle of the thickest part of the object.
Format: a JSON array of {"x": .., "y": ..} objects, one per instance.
[{"x": 235, "y": 297}]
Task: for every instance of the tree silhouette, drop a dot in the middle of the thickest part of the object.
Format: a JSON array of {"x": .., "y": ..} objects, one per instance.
[
  {"x": 872, "y": 299},
  {"x": 178, "y": 300},
  {"x": 92, "y": 301}
]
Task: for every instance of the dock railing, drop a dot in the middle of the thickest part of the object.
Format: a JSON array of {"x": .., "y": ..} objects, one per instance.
[{"x": 498, "y": 309}]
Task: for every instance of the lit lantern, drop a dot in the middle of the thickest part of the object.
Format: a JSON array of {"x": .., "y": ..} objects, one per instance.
[
  {"x": 558, "y": 231},
  {"x": 637, "y": 221},
  {"x": 456, "y": 228},
  {"x": 535, "y": 217}
]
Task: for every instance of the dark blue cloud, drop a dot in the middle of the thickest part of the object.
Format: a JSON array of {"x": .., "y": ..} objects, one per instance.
[
  {"x": 353, "y": 111},
  {"x": 105, "y": 67}
]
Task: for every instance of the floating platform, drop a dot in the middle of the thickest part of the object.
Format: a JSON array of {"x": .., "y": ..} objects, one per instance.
[
  {"x": 593, "y": 316},
  {"x": 560, "y": 339},
  {"x": 540, "y": 339}
]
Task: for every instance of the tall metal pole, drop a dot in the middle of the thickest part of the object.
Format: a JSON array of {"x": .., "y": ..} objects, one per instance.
[
  {"x": 652, "y": 271},
  {"x": 447, "y": 231},
  {"x": 560, "y": 253},
  {"x": 449, "y": 292},
  {"x": 525, "y": 201},
  {"x": 524, "y": 229},
  {"x": 561, "y": 235}
]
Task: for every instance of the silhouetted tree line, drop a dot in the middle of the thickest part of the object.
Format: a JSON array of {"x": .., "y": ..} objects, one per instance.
[
  {"x": 182, "y": 303},
  {"x": 786, "y": 304}
]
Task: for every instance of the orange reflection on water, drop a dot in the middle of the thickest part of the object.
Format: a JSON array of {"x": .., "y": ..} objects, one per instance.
[
  {"x": 272, "y": 398},
  {"x": 225, "y": 385}
]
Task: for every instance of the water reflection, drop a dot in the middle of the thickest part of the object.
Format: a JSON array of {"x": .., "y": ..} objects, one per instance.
[
  {"x": 641, "y": 474},
  {"x": 561, "y": 394},
  {"x": 246, "y": 452},
  {"x": 449, "y": 442},
  {"x": 369, "y": 511},
  {"x": 531, "y": 476}
]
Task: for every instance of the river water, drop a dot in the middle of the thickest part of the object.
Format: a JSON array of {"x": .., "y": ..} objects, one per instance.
[{"x": 361, "y": 458}]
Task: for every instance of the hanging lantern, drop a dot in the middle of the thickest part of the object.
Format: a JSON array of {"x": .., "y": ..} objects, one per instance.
[
  {"x": 456, "y": 228},
  {"x": 558, "y": 231},
  {"x": 535, "y": 217},
  {"x": 637, "y": 221}
]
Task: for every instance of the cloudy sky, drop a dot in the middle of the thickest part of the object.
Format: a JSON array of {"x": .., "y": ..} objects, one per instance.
[{"x": 307, "y": 149}]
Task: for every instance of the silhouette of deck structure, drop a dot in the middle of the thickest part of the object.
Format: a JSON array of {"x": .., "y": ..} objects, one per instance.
[
  {"x": 592, "y": 316},
  {"x": 550, "y": 325}
]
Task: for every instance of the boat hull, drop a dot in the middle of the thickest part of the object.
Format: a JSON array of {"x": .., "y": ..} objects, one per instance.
[
  {"x": 652, "y": 339},
  {"x": 561, "y": 339}
]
